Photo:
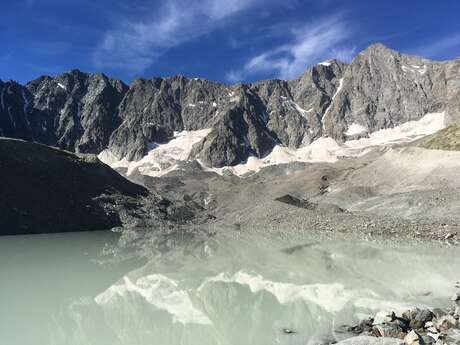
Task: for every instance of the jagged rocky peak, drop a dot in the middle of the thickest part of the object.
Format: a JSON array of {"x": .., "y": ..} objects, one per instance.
[
  {"x": 239, "y": 131},
  {"x": 83, "y": 112},
  {"x": 79, "y": 110},
  {"x": 153, "y": 109},
  {"x": 382, "y": 88}
]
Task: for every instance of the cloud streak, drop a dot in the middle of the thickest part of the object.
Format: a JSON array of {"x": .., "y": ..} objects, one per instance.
[
  {"x": 133, "y": 45},
  {"x": 308, "y": 44}
]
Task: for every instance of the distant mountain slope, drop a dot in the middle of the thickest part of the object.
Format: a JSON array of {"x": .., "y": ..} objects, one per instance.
[
  {"x": 49, "y": 190},
  {"x": 75, "y": 111},
  {"x": 446, "y": 139},
  {"x": 379, "y": 89}
]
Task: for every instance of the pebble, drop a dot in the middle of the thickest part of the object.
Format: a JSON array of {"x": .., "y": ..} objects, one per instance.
[
  {"x": 384, "y": 317},
  {"x": 413, "y": 338},
  {"x": 435, "y": 336},
  {"x": 288, "y": 331},
  {"x": 428, "y": 340},
  {"x": 449, "y": 236}
]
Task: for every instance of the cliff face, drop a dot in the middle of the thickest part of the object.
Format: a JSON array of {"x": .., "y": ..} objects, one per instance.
[
  {"x": 382, "y": 88},
  {"x": 75, "y": 111},
  {"x": 81, "y": 112}
]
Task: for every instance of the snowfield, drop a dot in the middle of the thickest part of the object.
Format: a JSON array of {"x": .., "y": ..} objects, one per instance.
[{"x": 163, "y": 158}]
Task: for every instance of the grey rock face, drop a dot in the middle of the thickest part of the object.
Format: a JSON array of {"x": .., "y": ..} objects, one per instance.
[
  {"x": 382, "y": 88},
  {"x": 81, "y": 112},
  {"x": 78, "y": 110},
  {"x": 153, "y": 109},
  {"x": 239, "y": 132}
]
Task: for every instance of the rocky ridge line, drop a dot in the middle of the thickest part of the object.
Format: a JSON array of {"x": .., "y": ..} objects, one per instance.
[{"x": 87, "y": 113}]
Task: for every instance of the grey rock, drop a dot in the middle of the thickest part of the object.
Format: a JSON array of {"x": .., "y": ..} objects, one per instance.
[
  {"x": 420, "y": 318},
  {"x": 81, "y": 112},
  {"x": 384, "y": 317},
  {"x": 392, "y": 330},
  {"x": 170, "y": 104},
  {"x": 383, "y": 88},
  {"x": 428, "y": 340},
  {"x": 446, "y": 322},
  {"x": 76, "y": 111},
  {"x": 413, "y": 338}
]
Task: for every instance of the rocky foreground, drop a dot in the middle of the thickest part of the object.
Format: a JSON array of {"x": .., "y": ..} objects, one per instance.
[
  {"x": 412, "y": 327},
  {"x": 48, "y": 190}
]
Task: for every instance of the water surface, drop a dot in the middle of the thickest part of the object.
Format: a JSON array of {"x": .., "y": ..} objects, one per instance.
[{"x": 246, "y": 289}]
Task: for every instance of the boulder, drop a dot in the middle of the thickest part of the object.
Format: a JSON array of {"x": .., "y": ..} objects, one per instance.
[
  {"x": 389, "y": 330},
  {"x": 384, "y": 317},
  {"x": 420, "y": 318},
  {"x": 428, "y": 340},
  {"x": 362, "y": 327},
  {"x": 413, "y": 338},
  {"x": 446, "y": 322}
]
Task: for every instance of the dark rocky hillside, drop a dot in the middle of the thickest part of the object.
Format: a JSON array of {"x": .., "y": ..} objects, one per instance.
[{"x": 48, "y": 190}]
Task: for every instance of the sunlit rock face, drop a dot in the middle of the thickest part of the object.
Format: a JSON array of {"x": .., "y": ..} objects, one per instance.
[{"x": 379, "y": 89}]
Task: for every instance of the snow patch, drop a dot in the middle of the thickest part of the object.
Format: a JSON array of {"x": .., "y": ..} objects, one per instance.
[
  {"x": 420, "y": 69},
  {"x": 301, "y": 111},
  {"x": 406, "y": 132},
  {"x": 162, "y": 158},
  {"x": 62, "y": 86},
  {"x": 326, "y": 149},
  {"x": 325, "y": 63},
  {"x": 415, "y": 69},
  {"x": 407, "y": 69},
  {"x": 332, "y": 100},
  {"x": 355, "y": 129},
  {"x": 321, "y": 150}
]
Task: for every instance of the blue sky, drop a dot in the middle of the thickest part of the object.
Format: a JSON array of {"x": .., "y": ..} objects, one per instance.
[{"x": 223, "y": 40}]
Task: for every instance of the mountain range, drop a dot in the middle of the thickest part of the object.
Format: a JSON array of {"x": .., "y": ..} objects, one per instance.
[{"x": 88, "y": 113}]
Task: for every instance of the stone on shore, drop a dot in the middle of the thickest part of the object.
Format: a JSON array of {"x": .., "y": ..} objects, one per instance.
[
  {"x": 446, "y": 322},
  {"x": 413, "y": 338}
]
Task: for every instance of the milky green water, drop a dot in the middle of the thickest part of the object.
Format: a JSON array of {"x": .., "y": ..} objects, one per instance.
[{"x": 59, "y": 289}]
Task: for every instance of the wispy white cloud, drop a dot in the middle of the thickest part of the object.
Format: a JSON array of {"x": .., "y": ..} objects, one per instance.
[
  {"x": 134, "y": 44},
  {"x": 308, "y": 44}
]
